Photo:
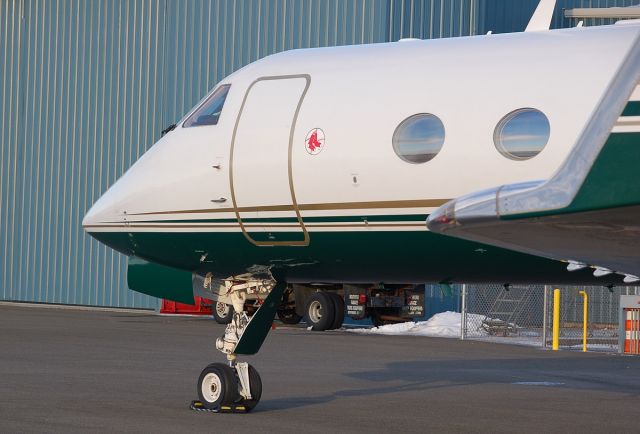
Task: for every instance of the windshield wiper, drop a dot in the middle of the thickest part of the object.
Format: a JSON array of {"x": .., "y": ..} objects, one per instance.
[{"x": 169, "y": 128}]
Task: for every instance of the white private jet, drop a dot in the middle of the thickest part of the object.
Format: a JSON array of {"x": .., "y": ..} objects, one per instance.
[{"x": 322, "y": 165}]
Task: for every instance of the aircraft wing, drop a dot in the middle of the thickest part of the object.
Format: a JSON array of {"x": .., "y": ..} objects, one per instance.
[{"x": 587, "y": 213}]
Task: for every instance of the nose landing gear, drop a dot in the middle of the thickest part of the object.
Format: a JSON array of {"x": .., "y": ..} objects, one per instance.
[{"x": 237, "y": 387}]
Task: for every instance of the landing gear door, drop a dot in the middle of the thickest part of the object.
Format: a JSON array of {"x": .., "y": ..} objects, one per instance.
[{"x": 261, "y": 181}]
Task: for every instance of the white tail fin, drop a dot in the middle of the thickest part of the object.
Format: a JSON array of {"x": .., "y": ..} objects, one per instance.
[{"x": 541, "y": 19}]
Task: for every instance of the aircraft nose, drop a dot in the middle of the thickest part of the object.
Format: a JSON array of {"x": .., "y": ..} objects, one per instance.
[
  {"x": 105, "y": 221},
  {"x": 97, "y": 215},
  {"x": 106, "y": 211},
  {"x": 141, "y": 189}
]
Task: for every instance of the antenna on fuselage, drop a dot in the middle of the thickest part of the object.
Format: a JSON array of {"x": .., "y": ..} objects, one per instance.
[{"x": 541, "y": 19}]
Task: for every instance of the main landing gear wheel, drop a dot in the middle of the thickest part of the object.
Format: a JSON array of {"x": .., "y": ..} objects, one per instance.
[
  {"x": 217, "y": 386},
  {"x": 222, "y": 312},
  {"x": 338, "y": 306},
  {"x": 320, "y": 311}
]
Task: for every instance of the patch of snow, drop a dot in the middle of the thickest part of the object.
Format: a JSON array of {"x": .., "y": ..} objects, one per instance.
[
  {"x": 445, "y": 324},
  {"x": 531, "y": 341},
  {"x": 605, "y": 333},
  {"x": 529, "y": 334},
  {"x": 592, "y": 347},
  {"x": 538, "y": 383}
]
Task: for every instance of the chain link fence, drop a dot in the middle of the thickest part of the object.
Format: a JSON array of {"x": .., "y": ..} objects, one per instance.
[
  {"x": 523, "y": 315},
  {"x": 602, "y": 317},
  {"x": 493, "y": 312}
]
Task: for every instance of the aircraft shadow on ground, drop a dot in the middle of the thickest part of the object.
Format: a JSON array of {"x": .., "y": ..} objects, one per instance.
[{"x": 612, "y": 374}]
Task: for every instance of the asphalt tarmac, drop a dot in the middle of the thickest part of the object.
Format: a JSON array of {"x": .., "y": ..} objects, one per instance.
[{"x": 65, "y": 370}]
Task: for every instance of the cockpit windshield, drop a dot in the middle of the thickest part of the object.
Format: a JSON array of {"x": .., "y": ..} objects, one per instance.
[{"x": 209, "y": 112}]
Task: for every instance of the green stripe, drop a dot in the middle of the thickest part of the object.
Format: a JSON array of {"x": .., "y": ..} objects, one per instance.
[
  {"x": 330, "y": 219},
  {"x": 612, "y": 181},
  {"x": 632, "y": 109}
]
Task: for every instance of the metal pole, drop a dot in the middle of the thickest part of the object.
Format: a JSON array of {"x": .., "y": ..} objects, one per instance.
[
  {"x": 633, "y": 336},
  {"x": 463, "y": 318},
  {"x": 622, "y": 325},
  {"x": 556, "y": 320},
  {"x": 584, "y": 320},
  {"x": 545, "y": 320}
]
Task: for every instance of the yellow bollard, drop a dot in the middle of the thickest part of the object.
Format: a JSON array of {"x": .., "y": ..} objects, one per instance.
[
  {"x": 584, "y": 320},
  {"x": 556, "y": 320}
]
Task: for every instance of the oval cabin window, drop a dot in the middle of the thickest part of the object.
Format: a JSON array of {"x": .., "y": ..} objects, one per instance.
[
  {"x": 419, "y": 138},
  {"x": 522, "y": 134}
]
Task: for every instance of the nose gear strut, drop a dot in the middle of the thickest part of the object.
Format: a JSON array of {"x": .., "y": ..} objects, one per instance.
[{"x": 236, "y": 387}]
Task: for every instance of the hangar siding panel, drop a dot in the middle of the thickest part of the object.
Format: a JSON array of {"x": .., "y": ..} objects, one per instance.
[
  {"x": 86, "y": 88},
  {"x": 208, "y": 40},
  {"x": 10, "y": 33},
  {"x": 70, "y": 127},
  {"x": 504, "y": 16},
  {"x": 429, "y": 19}
]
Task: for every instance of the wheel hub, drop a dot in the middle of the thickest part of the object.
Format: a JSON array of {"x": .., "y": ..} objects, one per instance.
[
  {"x": 211, "y": 387},
  {"x": 315, "y": 311},
  {"x": 222, "y": 308}
]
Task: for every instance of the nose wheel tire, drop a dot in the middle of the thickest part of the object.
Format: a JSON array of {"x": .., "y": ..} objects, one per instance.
[
  {"x": 219, "y": 390},
  {"x": 222, "y": 312},
  {"x": 255, "y": 385},
  {"x": 217, "y": 385}
]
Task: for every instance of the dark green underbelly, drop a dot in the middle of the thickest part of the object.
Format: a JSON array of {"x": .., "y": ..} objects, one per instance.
[{"x": 356, "y": 257}]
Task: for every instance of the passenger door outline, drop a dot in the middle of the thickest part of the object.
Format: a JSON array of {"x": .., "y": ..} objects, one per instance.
[{"x": 237, "y": 210}]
